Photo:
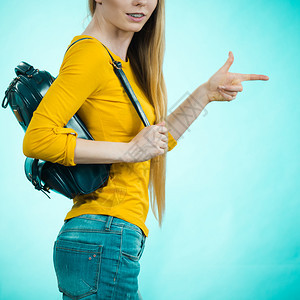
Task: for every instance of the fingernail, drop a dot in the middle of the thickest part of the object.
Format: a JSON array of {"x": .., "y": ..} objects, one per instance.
[{"x": 222, "y": 87}]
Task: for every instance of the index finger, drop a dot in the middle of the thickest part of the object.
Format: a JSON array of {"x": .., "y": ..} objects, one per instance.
[{"x": 246, "y": 77}]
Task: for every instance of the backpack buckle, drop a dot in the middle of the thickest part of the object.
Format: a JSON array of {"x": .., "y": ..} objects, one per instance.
[{"x": 117, "y": 64}]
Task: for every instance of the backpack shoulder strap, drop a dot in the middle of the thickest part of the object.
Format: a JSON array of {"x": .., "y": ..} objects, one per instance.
[{"x": 76, "y": 42}]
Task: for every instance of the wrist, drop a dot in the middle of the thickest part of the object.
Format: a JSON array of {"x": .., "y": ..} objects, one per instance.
[
  {"x": 126, "y": 155},
  {"x": 204, "y": 88}
]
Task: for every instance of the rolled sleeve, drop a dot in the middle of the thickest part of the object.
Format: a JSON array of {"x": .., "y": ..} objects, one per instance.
[
  {"x": 69, "y": 150},
  {"x": 56, "y": 144}
]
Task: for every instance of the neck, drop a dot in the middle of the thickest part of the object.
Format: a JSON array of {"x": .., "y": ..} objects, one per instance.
[{"x": 113, "y": 38}]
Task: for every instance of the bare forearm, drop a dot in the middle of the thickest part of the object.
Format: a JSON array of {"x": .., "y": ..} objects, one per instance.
[
  {"x": 100, "y": 152},
  {"x": 187, "y": 112}
]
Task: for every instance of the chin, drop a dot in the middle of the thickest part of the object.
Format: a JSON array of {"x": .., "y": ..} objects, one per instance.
[
  {"x": 136, "y": 29},
  {"x": 128, "y": 29}
]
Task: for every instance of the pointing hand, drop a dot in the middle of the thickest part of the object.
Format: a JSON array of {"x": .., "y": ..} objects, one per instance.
[{"x": 224, "y": 86}]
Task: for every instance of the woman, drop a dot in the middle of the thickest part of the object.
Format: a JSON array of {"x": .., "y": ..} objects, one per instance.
[{"x": 97, "y": 251}]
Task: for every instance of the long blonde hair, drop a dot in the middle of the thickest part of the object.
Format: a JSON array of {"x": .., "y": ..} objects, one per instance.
[{"x": 146, "y": 54}]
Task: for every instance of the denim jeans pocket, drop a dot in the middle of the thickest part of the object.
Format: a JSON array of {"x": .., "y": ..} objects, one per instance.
[
  {"x": 133, "y": 243},
  {"x": 77, "y": 267}
]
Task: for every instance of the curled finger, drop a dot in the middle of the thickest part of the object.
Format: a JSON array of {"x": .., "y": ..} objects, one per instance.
[
  {"x": 161, "y": 128},
  {"x": 164, "y": 137},
  {"x": 228, "y": 92},
  {"x": 231, "y": 88},
  {"x": 226, "y": 96}
]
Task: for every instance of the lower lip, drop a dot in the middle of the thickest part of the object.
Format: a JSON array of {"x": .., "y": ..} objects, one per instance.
[{"x": 136, "y": 19}]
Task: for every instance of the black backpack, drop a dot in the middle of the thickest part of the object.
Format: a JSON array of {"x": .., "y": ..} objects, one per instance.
[{"x": 23, "y": 95}]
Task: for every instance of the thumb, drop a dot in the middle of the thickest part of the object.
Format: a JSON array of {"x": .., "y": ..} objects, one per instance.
[
  {"x": 228, "y": 62},
  {"x": 161, "y": 123}
]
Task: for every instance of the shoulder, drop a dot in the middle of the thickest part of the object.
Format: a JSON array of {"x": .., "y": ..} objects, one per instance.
[{"x": 86, "y": 51}]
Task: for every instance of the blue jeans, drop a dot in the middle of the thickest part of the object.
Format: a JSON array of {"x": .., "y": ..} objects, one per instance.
[{"x": 97, "y": 257}]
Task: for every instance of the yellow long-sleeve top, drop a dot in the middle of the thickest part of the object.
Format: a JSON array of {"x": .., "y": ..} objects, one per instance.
[{"x": 87, "y": 84}]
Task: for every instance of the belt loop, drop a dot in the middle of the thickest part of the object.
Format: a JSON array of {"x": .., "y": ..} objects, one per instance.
[{"x": 108, "y": 223}]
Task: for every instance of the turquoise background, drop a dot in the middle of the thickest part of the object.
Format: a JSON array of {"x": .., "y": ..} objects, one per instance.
[{"x": 231, "y": 229}]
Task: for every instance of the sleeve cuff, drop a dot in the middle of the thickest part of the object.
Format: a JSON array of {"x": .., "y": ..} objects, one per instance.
[
  {"x": 171, "y": 142},
  {"x": 68, "y": 159}
]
